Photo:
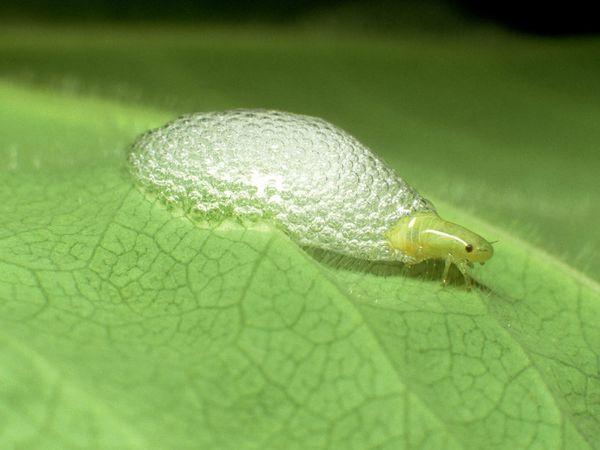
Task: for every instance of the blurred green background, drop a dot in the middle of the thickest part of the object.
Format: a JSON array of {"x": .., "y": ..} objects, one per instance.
[{"x": 494, "y": 108}]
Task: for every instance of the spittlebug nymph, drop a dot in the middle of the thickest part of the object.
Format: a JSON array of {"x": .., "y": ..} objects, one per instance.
[
  {"x": 305, "y": 175},
  {"x": 427, "y": 236}
]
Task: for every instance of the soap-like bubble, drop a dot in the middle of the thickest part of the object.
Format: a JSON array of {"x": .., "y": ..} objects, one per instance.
[{"x": 309, "y": 177}]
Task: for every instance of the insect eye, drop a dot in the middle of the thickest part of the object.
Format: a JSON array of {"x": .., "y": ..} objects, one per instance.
[{"x": 469, "y": 248}]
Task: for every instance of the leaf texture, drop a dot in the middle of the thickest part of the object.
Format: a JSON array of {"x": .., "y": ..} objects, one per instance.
[{"x": 124, "y": 324}]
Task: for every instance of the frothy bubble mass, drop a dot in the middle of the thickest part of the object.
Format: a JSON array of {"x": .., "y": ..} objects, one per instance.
[{"x": 314, "y": 180}]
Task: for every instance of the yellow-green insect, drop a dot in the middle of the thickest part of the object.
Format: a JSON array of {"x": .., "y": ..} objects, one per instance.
[{"x": 427, "y": 236}]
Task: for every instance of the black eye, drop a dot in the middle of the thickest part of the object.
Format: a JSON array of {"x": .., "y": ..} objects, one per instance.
[{"x": 469, "y": 248}]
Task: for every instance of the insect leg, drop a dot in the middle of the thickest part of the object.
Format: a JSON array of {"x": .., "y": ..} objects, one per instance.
[
  {"x": 446, "y": 269},
  {"x": 463, "y": 269}
]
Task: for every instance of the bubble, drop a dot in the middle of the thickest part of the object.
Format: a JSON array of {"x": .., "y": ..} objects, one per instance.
[{"x": 309, "y": 177}]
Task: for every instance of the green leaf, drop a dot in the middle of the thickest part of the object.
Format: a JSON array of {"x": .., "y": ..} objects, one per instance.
[{"x": 126, "y": 325}]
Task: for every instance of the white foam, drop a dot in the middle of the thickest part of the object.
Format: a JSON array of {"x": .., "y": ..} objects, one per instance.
[{"x": 314, "y": 180}]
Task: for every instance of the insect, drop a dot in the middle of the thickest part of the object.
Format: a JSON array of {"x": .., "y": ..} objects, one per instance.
[
  {"x": 427, "y": 236},
  {"x": 309, "y": 177}
]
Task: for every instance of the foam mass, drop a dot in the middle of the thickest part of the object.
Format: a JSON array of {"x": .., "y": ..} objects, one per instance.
[{"x": 309, "y": 177}]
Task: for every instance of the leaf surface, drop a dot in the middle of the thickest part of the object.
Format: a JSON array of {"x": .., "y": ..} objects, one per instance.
[{"x": 125, "y": 324}]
